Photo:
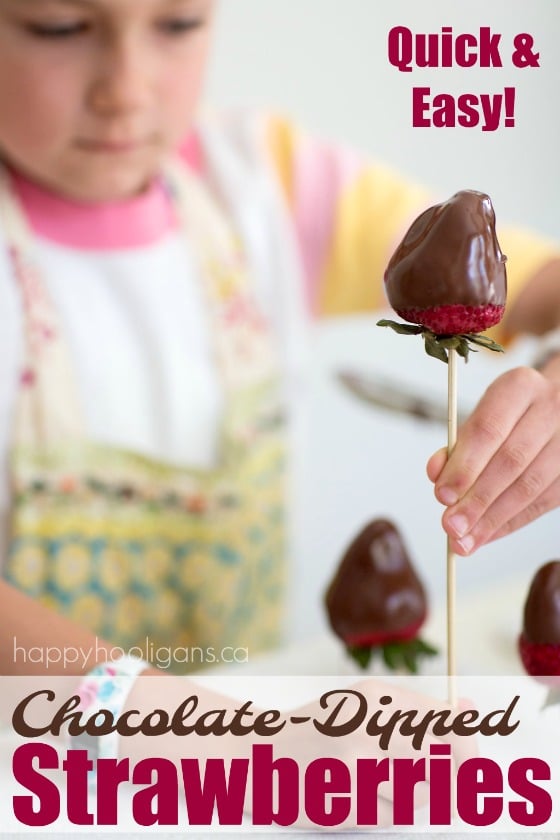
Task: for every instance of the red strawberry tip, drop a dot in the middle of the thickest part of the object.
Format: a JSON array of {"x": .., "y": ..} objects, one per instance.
[
  {"x": 541, "y": 660},
  {"x": 455, "y": 318}
]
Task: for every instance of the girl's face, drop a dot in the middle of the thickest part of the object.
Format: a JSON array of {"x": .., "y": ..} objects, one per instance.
[{"x": 94, "y": 93}]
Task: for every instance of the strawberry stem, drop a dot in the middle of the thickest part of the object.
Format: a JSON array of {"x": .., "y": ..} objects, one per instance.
[
  {"x": 438, "y": 346},
  {"x": 400, "y": 655}
]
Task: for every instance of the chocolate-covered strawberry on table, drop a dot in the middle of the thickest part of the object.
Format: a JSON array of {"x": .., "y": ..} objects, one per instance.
[
  {"x": 376, "y": 601},
  {"x": 539, "y": 642}
]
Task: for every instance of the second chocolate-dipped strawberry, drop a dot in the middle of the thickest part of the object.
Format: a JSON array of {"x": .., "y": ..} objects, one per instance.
[{"x": 376, "y": 601}]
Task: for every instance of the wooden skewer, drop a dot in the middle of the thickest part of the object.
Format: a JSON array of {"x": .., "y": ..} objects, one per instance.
[{"x": 451, "y": 570}]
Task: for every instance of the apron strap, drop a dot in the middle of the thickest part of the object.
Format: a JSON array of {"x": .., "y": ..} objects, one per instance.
[
  {"x": 47, "y": 410},
  {"x": 244, "y": 349}
]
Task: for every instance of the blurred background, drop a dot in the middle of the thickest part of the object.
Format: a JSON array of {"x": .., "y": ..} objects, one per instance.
[{"x": 325, "y": 62}]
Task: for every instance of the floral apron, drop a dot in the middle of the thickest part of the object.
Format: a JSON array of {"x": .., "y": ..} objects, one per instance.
[{"x": 143, "y": 553}]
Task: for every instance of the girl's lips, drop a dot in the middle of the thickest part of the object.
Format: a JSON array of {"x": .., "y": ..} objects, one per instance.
[{"x": 111, "y": 146}]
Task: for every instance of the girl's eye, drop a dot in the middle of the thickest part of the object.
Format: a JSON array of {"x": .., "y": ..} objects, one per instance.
[
  {"x": 56, "y": 30},
  {"x": 172, "y": 26},
  {"x": 180, "y": 26}
]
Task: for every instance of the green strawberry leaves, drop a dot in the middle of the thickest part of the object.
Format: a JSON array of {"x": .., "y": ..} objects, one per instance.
[
  {"x": 398, "y": 655},
  {"x": 438, "y": 346},
  {"x": 361, "y": 654}
]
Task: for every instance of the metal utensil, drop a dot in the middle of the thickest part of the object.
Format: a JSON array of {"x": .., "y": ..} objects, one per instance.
[{"x": 381, "y": 392}]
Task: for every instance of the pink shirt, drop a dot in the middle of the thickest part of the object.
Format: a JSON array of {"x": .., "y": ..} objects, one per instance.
[{"x": 132, "y": 223}]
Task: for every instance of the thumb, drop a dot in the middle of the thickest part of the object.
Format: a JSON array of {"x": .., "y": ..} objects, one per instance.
[{"x": 436, "y": 464}]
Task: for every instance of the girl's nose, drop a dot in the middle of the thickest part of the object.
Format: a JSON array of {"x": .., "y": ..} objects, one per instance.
[{"x": 123, "y": 82}]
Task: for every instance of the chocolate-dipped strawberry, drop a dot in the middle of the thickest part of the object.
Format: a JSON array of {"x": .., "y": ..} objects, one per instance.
[
  {"x": 448, "y": 275},
  {"x": 539, "y": 642},
  {"x": 376, "y": 601}
]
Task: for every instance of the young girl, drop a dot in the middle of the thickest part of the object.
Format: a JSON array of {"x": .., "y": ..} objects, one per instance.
[{"x": 156, "y": 272}]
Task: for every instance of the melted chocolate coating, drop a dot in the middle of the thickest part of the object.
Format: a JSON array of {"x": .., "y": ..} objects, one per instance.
[
  {"x": 450, "y": 255},
  {"x": 375, "y": 595},
  {"x": 541, "y": 616}
]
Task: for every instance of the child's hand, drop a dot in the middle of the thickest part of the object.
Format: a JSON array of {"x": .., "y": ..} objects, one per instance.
[{"x": 505, "y": 469}]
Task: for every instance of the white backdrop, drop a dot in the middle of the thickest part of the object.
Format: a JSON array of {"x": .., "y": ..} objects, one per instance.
[{"x": 325, "y": 61}]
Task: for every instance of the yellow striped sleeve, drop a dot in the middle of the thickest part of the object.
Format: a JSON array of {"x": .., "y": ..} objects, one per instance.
[
  {"x": 526, "y": 253},
  {"x": 280, "y": 137},
  {"x": 372, "y": 215}
]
